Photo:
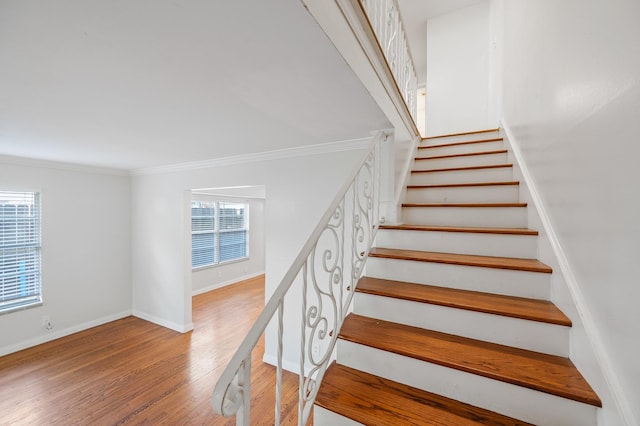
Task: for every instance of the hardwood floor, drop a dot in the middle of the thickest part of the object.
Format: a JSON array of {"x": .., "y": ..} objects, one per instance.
[{"x": 135, "y": 372}]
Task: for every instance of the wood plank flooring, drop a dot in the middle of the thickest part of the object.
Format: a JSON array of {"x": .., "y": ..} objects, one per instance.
[{"x": 135, "y": 372}]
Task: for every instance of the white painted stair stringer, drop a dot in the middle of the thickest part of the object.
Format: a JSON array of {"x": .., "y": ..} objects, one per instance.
[
  {"x": 588, "y": 348},
  {"x": 483, "y": 244},
  {"x": 534, "y": 285},
  {"x": 516, "y": 401},
  {"x": 520, "y": 333}
]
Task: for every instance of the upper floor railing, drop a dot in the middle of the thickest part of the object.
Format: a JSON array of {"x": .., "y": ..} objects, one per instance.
[
  {"x": 321, "y": 282},
  {"x": 384, "y": 18}
]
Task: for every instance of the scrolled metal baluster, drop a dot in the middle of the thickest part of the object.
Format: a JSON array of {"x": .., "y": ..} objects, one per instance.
[
  {"x": 322, "y": 316},
  {"x": 325, "y": 286},
  {"x": 362, "y": 217}
]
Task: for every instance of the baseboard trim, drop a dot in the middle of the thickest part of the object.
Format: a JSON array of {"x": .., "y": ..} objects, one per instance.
[
  {"x": 593, "y": 335},
  {"x": 5, "y": 350},
  {"x": 291, "y": 367},
  {"x": 225, "y": 283},
  {"x": 180, "y": 328}
]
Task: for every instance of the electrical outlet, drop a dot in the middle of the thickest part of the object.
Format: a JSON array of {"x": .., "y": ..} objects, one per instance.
[
  {"x": 47, "y": 324},
  {"x": 315, "y": 350}
]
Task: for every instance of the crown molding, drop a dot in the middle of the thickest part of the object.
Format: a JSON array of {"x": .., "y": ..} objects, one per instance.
[
  {"x": 325, "y": 148},
  {"x": 58, "y": 165}
]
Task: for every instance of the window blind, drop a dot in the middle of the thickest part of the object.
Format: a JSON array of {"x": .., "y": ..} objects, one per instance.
[
  {"x": 203, "y": 220},
  {"x": 219, "y": 232},
  {"x": 233, "y": 233},
  {"x": 19, "y": 249}
]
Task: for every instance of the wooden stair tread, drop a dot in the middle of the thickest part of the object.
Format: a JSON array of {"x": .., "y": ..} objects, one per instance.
[
  {"x": 462, "y": 134},
  {"x": 469, "y": 229},
  {"x": 509, "y": 306},
  {"x": 458, "y": 169},
  {"x": 546, "y": 373},
  {"x": 442, "y": 145},
  {"x": 462, "y": 185},
  {"x": 468, "y": 154},
  {"x": 531, "y": 265},
  {"x": 464, "y": 205},
  {"x": 373, "y": 400}
]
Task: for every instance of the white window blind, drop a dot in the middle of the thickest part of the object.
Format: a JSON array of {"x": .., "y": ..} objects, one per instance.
[
  {"x": 19, "y": 249},
  {"x": 219, "y": 232}
]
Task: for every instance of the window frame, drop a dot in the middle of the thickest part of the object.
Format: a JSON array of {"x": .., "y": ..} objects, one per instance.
[
  {"x": 216, "y": 232},
  {"x": 29, "y": 241}
]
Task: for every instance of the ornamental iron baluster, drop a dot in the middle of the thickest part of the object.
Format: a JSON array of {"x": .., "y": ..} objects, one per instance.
[{"x": 327, "y": 270}]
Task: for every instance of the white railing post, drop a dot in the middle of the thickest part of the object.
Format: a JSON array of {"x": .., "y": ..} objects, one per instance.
[
  {"x": 279, "y": 362},
  {"x": 244, "y": 384}
]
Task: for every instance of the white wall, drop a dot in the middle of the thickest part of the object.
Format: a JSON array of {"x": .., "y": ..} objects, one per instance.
[
  {"x": 572, "y": 106},
  {"x": 298, "y": 192},
  {"x": 458, "y": 63},
  {"x": 208, "y": 279},
  {"x": 86, "y": 252}
]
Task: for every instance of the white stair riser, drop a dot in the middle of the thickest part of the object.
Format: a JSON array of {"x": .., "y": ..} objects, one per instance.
[
  {"x": 506, "y": 217},
  {"x": 323, "y": 417},
  {"x": 461, "y": 138},
  {"x": 511, "y": 400},
  {"x": 534, "y": 285},
  {"x": 506, "y": 245},
  {"x": 462, "y": 176},
  {"x": 473, "y": 160},
  {"x": 531, "y": 335},
  {"x": 464, "y": 194},
  {"x": 459, "y": 149}
]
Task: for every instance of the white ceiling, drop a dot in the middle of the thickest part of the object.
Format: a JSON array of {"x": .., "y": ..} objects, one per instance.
[
  {"x": 414, "y": 15},
  {"x": 135, "y": 84}
]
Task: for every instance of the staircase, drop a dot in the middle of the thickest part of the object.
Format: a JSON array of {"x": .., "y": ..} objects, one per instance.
[{"x": 452, "y": 323}]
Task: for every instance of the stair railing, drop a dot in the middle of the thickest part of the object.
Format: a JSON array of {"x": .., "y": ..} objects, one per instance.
[
  {"x": 326, "y": 270},
  {"x": 386, "y": 22}
]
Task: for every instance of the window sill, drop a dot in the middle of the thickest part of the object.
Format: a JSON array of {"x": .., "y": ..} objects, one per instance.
[
  {"x": 22, "y": 307},
  {"x": 216, "y": 265}
]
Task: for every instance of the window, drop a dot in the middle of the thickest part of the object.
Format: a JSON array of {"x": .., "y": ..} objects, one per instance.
[
  {"x": 219, "y": 232},
  {"x": 19, "y": 250}
]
